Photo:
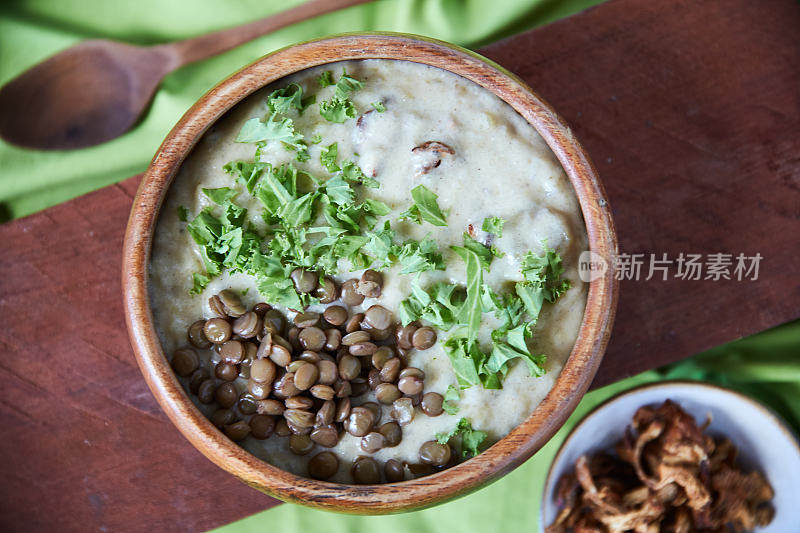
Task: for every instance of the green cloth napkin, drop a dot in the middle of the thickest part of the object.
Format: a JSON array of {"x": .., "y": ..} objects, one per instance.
[
  {"x": 32, "y": 30},
  {"x": 765, "y": 366}
]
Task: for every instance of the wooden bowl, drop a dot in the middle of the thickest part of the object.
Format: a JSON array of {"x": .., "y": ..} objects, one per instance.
[{"x": 499, "y": 459}]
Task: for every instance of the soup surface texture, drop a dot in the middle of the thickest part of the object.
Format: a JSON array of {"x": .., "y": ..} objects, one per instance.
[{"x": 499, "y": 167}]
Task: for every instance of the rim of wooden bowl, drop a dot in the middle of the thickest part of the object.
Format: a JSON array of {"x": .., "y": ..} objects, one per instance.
[{"x": 499, "y": 459}]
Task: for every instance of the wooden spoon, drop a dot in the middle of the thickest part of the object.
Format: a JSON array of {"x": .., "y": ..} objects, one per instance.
[{"x": 96, "y": 90}]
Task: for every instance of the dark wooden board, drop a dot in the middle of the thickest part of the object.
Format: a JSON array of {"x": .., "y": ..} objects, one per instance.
[{"x": 690, "y": 111}]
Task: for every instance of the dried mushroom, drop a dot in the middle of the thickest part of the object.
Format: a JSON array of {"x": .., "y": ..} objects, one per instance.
[
  {"x": 431, "y": 153},
  {"x": 666, "y": 475}
]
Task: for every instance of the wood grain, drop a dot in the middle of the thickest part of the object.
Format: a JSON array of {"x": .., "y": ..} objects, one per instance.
[
  {"x": 85, "y": 444},
  {"x": 690, "y": 112},
  {"x": 97, "y": 90},
  {"x": 523, "y": 441}
]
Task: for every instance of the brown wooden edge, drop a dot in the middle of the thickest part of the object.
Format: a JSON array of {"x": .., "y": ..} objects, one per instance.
[{"x": 506, "y": 454}]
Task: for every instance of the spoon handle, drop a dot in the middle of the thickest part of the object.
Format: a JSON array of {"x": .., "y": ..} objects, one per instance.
[{"x": 204, "y": 46}]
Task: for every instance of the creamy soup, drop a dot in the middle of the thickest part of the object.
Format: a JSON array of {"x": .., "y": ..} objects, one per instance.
[{"x": 411, "y": 125}]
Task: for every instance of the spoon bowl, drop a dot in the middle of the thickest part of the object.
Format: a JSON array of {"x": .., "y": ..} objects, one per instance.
[{"x": 86, "y": 95}]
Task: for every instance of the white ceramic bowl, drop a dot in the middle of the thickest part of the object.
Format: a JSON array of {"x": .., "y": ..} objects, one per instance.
[{"x": 764, "y": 441}]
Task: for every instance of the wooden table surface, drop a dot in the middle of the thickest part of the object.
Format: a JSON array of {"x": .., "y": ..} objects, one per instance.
[{"x": 691, "y": 112}]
